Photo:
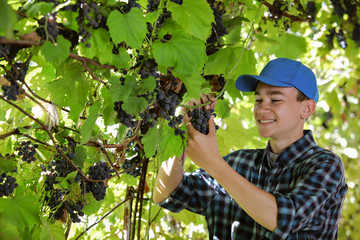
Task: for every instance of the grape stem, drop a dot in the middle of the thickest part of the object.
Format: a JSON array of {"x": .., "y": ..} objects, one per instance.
[{"x": 103, "y": 217}]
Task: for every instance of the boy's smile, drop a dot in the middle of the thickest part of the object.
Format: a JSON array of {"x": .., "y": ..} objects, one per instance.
[{"x": 278, "y": 114}]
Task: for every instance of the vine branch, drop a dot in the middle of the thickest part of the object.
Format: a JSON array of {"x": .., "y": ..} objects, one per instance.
[{"x": 103, "y": 217}]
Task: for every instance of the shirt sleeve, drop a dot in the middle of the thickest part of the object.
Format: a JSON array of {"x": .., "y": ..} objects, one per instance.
[
  {"x": 194, "y": 193},
  {"x": 322, "y": 186}
]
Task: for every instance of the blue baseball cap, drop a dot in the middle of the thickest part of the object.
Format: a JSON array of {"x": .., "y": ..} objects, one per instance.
[{"x": 282, "y": 72}]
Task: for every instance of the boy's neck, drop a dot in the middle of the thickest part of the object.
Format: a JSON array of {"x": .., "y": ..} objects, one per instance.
[{"x": 278, "y": 145}]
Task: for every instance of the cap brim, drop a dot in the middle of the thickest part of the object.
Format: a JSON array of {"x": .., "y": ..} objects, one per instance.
[{"x": 248, "y": 83}]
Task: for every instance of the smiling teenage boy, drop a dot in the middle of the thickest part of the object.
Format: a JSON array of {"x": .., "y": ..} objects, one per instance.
[{"x": 291, "y": 189}]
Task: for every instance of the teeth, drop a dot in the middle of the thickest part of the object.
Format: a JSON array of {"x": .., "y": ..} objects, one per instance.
[{"x": 266, "y": 121}]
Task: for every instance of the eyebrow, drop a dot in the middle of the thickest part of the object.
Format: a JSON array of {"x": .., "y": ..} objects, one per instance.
[{"x": 270, "y": 93}]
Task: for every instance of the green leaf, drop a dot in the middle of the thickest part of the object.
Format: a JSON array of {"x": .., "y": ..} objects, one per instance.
[
  {"x": 71, "y": 89},
  {"x": 121, "y": 60},
  {"x": 40, "y": 8},
  {"x": 120, "y": 92},
  {"x": 22, "y": 210},
  {"x": 52, "y": 230},
  {"x": 186, "y": 55},
  {"x": 134, "y": 105},
  {"x": 7, "y": 19},
  {"x": 194, "y": 16},
  {"x": 25, "y": 26},
  {"x": 130, "y": 27},
  {"x": 56, "y": 53},
  {"x": 291, "y": 46},
  {"x": 147, "y": 85},
  {"x": 101, "y": 46},
  {"x": 89, "y": 123},
  {"x": 193, "y": 84},
  {"x": 80, "y": 156},
  {"x": 162, "y": 138}
]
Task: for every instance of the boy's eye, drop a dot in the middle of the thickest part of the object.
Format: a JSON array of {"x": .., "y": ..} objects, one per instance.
[{"x": 275, "y": 100}]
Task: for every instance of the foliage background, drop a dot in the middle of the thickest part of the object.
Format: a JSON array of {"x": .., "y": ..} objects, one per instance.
[{"x": 257, "y": 32}]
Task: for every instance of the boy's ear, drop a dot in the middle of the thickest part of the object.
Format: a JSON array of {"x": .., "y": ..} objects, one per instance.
[{"x": 308, "y": 108}]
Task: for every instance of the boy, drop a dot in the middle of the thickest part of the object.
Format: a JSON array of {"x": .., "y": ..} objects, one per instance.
[{"x": 292, "y": 189}]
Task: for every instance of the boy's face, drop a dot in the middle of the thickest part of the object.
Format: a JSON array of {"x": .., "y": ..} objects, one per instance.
[{"x": 277, "y": 113}]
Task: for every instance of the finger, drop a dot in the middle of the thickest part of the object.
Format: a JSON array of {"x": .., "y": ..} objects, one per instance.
[
  {"x": 212, "y": 128},
  {"x": 190, "y": 130},
  {"x": 213, "y": 104},
  {"x": 204, "y": 98}
]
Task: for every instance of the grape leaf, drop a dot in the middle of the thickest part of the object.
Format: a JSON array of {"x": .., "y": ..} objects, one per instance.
[
  {"x": 162, "y": 138},
  {"x": 40, "y": 8},
  {"x": 135, "y": 105},
  {"x": 291, "y": 46},
  {"x": 120, "y": 92},
  {"x": 7, "y": 19},
  {"x": 186, "y": 55},
  {"x": 89, "y": 123},
  {"x": 56, "y": 53},
  {"x": 22, "y": 210},
  {"x": 130, "y": 27},
  {"x": 101, "y": 46},
  {"x": 194, "y": 16}
]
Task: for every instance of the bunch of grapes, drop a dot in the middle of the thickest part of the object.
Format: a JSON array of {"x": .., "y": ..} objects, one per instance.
[
  {"x": 4, "y": 49},
  {"x": 11, "y": 92},
  {"x": 168, "y": 98},
  {"x": 27, "y": 151},
  {"x": 18, "y": 72},
  {"x": 218, "y": 29},
  {"x": 200, "y": 119},
  {"x": 311, "y": 10},
  {"x": 99, "y": 171},
  {"x": 131, "y": 163},
  {"x": 7, "y": 184},
  {"x": 55, "y": 198},
  {"x": 152, "y": 5},
  {"x": 89, "y": 17},
  {"x": 48, "y": 28},
  {"x": 130, "y": 4},
  {"x": 124, "y": 117},
  {"x": 356, "y": 34}
]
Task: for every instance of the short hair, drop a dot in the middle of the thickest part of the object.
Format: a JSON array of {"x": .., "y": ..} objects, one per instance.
[{"x": 300, "y": 97}]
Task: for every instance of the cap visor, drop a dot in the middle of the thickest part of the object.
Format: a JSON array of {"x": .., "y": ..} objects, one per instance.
[{"x": 248, "y": 83}]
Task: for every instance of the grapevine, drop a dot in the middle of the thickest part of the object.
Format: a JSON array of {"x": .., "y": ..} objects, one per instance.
[{"x": 39, "y": 69}]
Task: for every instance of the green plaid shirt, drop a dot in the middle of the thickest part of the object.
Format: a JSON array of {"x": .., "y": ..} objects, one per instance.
[{"x": 307, "y": 181}]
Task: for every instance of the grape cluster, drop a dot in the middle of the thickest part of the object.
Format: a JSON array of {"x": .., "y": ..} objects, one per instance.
[
  {"x": 48, "y": 28},
  {"x": 200, "y": 119},
  {"x": 311, "y": 10},
  {"x": 218, "y": 28},
  {"x": 152, "y": 5},
  {"x": 356, "y": 34},
  {"x": 168, "y": 99},
  {"x": 55, "y": 198},
  {"x": 124, "y": 117},
  {"x": 11, "y": 92},
  {"x": 58, "y": 206},
  {"x": 131, "y": 163},
  {"x": 131, "y": 3},
  {"x": 27, "y": 151},
  {"x": 89, "y": 17},
  {"x": 7, "y": 184},
  {"x": 99, "y": 171},
  {"x": 4, "y": 49},
  {"x": 18, "y": 72}
]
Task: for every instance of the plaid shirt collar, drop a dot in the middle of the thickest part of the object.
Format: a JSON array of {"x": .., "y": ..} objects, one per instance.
[{"x": 293, "y": 152}]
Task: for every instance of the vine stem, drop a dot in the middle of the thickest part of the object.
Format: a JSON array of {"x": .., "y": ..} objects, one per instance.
[
  {"x": 103, "y": 217},
  {"x": 52, "y": 139}
]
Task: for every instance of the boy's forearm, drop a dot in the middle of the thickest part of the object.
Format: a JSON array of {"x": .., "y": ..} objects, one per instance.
[
  {"x": 169, "y": 177},
  {"x": 259, "y": 204}
]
